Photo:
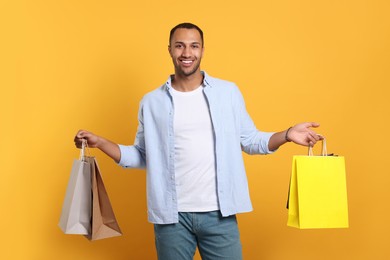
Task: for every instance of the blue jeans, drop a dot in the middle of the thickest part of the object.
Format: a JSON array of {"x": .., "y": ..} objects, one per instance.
[{"x": 217, "y": 237}]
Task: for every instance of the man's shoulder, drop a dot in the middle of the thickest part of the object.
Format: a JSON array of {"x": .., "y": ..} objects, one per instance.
[
  {"x": 218, "y": 82},
  {"x": 221, "y": 85},
  {"x": 157, "y": 93}
]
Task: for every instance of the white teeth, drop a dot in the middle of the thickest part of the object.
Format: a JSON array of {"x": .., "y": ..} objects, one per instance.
[{"x": 187, "y": 61}]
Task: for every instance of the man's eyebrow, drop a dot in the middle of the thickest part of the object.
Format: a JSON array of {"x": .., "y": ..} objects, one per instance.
[{"x": 180, "y": 42}]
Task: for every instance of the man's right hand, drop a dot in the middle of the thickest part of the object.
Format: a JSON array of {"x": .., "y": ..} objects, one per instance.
[
  {"x": 91, "y": 139},
  {"x": 95, "y": 141}
]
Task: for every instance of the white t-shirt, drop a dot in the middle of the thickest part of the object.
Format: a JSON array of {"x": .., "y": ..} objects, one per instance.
[{"x": 195, "y": 173}]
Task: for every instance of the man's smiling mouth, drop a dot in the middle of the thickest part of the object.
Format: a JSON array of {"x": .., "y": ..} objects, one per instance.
[{"x": 186, "y": 62}]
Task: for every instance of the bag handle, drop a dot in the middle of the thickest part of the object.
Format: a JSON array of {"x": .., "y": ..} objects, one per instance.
[
  {"x": 324, "y": 150},
  {"x": 84, "y": 149}
]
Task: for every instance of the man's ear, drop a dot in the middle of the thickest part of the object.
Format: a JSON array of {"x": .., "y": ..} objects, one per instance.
[{"x": 169, "y": 50}]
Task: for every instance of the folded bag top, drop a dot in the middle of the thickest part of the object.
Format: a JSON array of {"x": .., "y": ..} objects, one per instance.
[{"x": 318, "y": 191}]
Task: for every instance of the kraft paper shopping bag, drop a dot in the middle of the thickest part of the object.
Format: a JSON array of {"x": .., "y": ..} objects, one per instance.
[
  {"x": 318, "y": 192},
  {"x": 76, "y": 210},
  {"x": 104, "y": 223}
]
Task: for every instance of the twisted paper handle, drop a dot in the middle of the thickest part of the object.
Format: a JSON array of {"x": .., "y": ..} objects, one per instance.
[
  {"x": 324, "y": 150},
  {"x": 84, "y": 149}
]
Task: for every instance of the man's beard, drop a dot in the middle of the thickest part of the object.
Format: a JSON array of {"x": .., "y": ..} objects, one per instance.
[{"x": 191, "y": 72}]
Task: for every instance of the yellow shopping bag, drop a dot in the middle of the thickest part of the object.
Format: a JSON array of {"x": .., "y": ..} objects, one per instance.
[{"x": 318, "y": 192}]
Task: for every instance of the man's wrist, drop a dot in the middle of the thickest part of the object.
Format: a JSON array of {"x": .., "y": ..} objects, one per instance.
[{"x": 286, "y": 135}]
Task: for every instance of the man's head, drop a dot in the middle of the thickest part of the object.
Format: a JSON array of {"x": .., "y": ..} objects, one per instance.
[
  {"x": 186, "y": 26},
  {"x": 186, "y": 49}
]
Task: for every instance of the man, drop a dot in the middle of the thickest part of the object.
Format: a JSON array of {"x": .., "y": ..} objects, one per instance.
[{"x": 191, "y": 134}]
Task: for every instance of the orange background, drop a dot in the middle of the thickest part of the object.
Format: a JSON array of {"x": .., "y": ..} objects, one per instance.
[{"x": 66, "y": 65}]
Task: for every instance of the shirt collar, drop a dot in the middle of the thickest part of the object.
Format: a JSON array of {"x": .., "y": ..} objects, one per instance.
[{"x": 207, "y": 81}]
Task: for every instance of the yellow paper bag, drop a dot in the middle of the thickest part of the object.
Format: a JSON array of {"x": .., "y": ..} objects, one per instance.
[{"x": 318, "y": 192}]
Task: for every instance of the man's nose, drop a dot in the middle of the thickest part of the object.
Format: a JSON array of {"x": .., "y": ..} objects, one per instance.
[{"x": 186, "y": 52}]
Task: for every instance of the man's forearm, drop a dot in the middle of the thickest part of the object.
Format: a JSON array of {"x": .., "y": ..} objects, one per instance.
[
  {"x": 109, "y": 148},
  {"x": 277, "y": 140}
]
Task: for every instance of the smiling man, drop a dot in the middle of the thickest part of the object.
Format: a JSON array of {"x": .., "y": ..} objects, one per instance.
[
  {"x": 186, "y": 50},
  {"x": 191, "y": 134}
]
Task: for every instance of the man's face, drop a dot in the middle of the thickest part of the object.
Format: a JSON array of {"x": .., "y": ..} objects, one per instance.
[{"x": 186, "y": 50}]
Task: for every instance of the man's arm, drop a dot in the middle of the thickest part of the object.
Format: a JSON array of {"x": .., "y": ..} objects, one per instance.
[
  {"x": 94, "y": 141},
  {"x": 301, "y": 134}
]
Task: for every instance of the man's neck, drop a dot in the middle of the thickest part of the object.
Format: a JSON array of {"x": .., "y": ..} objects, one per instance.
[{"x": 187, "y": 83}]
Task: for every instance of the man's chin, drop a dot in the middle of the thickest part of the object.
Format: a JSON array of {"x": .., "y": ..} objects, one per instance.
[{"x": 187, "y": 73}]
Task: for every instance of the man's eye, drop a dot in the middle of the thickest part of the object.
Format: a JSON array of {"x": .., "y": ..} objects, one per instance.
[
  {"x": 179, "y": 46},
  {"x": 195, "y": 46}
]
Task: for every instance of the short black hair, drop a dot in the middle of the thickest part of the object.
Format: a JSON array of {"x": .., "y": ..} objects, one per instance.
[{"x": 186, "y": 26}]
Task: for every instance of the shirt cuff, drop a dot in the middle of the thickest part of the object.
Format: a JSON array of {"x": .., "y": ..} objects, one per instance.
[{"x": 130, "y": 157}]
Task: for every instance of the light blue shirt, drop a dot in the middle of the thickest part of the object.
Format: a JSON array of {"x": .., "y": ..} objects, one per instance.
[{"x": 153, "y": 149}]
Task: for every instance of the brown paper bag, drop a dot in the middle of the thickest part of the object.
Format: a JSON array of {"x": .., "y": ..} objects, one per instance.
[{"x": 104, "y": 224}]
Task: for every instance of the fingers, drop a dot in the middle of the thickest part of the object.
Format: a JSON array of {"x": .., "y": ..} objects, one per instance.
[
  {"x": 82, "y": 133},
  {"x": 312, "y": 136},
  {"x": 304, "y": 135},
  {"x": 314, "y": 124},
  {"x": 80, "y": 137},
  {"x": 78, "y": 142}
]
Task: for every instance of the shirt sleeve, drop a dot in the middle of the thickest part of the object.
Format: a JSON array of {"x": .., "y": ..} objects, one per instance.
[
  {"x": 253, "y": 141},
  {"x": 133, "y": 156}
]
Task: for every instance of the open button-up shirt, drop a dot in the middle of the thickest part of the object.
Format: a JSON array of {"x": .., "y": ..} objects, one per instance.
[{"x": 153, "y": 149}]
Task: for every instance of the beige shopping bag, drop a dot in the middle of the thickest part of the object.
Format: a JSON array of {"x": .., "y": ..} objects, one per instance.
[
  {"x": 104, "y": 223},
  {"x": 76, "y": 209}
]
